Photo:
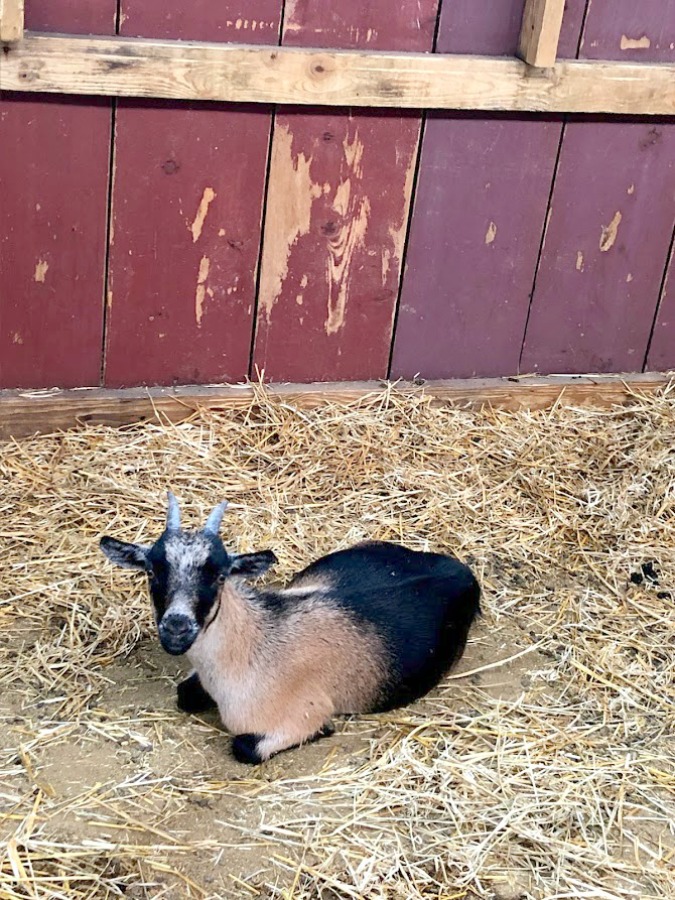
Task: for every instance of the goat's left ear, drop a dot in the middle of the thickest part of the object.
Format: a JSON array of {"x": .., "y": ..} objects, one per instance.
[
  {"x": 129, "y": 556},
  {"x": 252, "y": 565}
]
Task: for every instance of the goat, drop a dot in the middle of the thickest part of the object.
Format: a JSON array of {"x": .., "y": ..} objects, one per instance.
[{"x": 362, "y": 630}]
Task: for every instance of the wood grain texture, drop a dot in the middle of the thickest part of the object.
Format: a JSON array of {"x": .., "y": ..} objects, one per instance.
[
  {"x": 661, "y": 355},
  {"x": 54, "y": 166},
  {"x": 11, "y": 20},
  {"x": 187, "y": 210},
  {"x": 232, "y": 73},
  {"x": 540, "y": 32},
  {"x": 23, "y": 414},
  {"x": 479, "y": 213},
  {"x": 609, "y": 230},
  {"x": 337, "y": 209}
]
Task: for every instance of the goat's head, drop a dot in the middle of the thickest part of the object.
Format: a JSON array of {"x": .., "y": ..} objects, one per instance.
[{"x": 186, "y": 571}]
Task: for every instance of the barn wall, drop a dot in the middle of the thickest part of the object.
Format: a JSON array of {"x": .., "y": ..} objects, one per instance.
[{"x": 161, "y": 243}]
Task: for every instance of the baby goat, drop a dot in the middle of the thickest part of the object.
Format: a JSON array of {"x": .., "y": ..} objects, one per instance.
[{"x": 359, "y": 631}]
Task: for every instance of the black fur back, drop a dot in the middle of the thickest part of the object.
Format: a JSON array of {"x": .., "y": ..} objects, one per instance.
[{"x": 421, "y": 604}]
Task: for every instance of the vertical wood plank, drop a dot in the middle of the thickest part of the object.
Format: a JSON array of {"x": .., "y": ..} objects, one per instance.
[
  {"x": 337, "y": 209},
  {"x": 540, "y": 32},
  {"x": 54, "y": 167},
  {"x": 11, "y": 20},
  {"x": 610, "y": 222},
  {"x": 478, "y": 217},
  {"x": 661, "y": 356},
  {"x": 187, "y": 207}
]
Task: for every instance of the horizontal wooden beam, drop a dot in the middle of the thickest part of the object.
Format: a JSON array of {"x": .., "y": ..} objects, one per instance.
[
  {"x": 540, "y": 32},
  {"x": 24, "y": 413},
  {"x": 177, "y": 70},
  {"x": 11, "y": 21}
]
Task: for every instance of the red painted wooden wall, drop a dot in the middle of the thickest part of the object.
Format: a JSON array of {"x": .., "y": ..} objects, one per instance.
[
  {"x": 337, "y": 208},
  {"x": 54, "y": 169},
  {"x": 160, "y": 243},
  {"x": 188, "y": 187},
  {"x": 611, "y": 217}
]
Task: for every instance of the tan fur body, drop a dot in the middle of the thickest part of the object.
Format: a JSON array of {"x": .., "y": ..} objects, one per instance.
[{"x": 285, "y": 676}]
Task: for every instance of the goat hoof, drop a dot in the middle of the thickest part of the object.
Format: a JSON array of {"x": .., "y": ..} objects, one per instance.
[
  {"x": 245, "y": 748},
  {"x": 191, "y": 696}
]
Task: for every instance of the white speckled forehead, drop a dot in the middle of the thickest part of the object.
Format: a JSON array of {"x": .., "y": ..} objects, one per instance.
[{"x": 185, "y": 552}]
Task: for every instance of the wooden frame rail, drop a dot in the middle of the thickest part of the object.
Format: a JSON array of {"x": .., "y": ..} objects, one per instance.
[
  {"x": 23, "y": 413},
  {"x": 178, "y": 70}
]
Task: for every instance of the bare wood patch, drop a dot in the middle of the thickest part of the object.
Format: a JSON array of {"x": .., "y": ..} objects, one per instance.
[
  {"x": 540, "y": 32},
  {"x": 11, "y": 20}
]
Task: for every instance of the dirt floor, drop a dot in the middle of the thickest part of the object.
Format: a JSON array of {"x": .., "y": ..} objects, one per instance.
[{"x": 543, "y": 767}]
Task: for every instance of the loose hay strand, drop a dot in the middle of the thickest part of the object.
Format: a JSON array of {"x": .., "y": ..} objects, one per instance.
[{"x": 542, "y": 768}]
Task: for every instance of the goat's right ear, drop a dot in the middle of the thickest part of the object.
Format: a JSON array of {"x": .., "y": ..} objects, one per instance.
[{"x": 129, "y": 556}]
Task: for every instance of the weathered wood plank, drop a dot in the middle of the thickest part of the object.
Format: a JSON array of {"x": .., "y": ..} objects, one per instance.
[
  {"x": 11, "y": 20},
  {"x": 609, "y": 230},
  {"x": 337, "y": 210},
  {"x": 23, "y": 414},
  {"x": 233, "y": 73},
  {"x": 479, "y": 213},
  {"x": 540, "y": 32},
  {"x": 187, "y": 210},
  {"x": 640, "y": 32},
  {"x": 54, "y": 166},
  {"x": 661, "y": 355}
]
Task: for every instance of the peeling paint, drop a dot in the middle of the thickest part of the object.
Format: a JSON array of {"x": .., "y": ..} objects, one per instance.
[
  {"x": 398, "y": 234},
  {"x": 41, "y": 269},
  {"x": 354, "y": 154},
  {"x": 204, "y": 266},
  {"x": 342, "y": 194},
  {"x": 609, "y": 233},
  {"x": 289, "y": 209},
  {"x": 629, "y": 278},
  {"x": 197, "y": 226},
  {"x": 342, "y": 254},
  {"x": 491, "y": 233},
  {"x": 16, "y": 338},
  {"x": 631, "y": 189},
  {"x": 580, "y": 261},
  {"x": 221, "y": 232},
  {"x": 386, "y": 265},
  {"x": 641, "y": 43}
]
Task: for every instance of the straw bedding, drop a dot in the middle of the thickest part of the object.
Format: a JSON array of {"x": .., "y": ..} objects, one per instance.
[{"x": 542, "y": 769}]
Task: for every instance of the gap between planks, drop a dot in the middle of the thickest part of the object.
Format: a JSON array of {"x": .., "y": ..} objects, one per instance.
[{"x": 24, "y": 413}]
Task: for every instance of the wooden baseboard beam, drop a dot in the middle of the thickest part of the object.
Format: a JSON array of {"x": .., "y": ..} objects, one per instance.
[
  {"x": 540, "y": 32},
  {"x": 180, "y": 70},
  {"x": 23, "y": 413}
]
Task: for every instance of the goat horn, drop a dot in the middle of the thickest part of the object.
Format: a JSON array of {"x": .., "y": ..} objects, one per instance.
[
  {"x": 214, "y": 520},
  {"x": 173, "y": 514}
]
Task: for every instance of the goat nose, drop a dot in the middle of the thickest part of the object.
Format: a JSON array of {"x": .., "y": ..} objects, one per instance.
[{"x": 176, "y": 625}]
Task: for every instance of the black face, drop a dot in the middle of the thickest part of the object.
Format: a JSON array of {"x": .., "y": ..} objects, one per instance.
[{"x": 186, "y": 571}]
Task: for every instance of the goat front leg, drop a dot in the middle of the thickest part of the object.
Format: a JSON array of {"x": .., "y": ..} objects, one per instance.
[
  {"x": 256, "y": 748},
  {"x": 191, "y": 696}
]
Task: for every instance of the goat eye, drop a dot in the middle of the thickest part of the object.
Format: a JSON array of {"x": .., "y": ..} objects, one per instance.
[{"x": 221, "y": 578}]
